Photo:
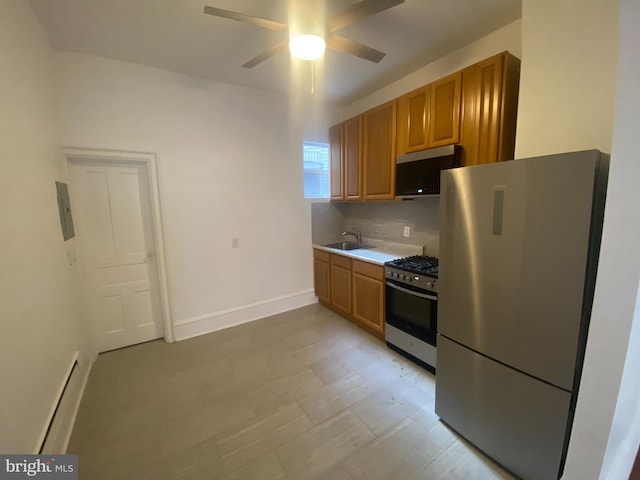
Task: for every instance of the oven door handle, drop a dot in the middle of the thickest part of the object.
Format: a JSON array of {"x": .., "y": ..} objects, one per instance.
[{"x": 411, "y": 292}]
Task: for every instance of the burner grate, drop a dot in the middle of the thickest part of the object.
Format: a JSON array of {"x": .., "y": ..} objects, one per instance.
[{"x": 420, "y": 264}]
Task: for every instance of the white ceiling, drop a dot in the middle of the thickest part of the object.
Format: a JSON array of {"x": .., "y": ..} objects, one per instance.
[{"x": 176, "y": 35}]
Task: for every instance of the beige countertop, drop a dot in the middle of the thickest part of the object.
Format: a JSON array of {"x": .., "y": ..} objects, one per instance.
[{"x": 381, "y": 253}]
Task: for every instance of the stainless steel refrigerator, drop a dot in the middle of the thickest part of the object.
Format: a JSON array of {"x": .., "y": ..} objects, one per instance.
[{"x": 519, "y": 246}]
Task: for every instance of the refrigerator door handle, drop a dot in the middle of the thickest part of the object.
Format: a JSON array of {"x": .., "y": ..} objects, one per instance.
[{"x": 411, "y": 292}]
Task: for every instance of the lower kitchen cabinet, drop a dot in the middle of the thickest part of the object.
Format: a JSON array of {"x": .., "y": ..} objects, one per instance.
[
  {"x": 368, "y": 296},
  {"x": 352, "y": 288},
  {"x": 341, "y": 283},
  {"x": 322, "y": 275}
]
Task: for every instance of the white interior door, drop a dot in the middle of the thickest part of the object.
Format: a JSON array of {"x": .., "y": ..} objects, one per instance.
[{"x": 113, "y": 217}]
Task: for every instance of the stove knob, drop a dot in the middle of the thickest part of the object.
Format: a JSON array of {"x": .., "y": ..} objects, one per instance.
[
  {"x": 416, "y": 278},
  {"x": 409, "y": 279},
  {"x": 430, "y": 284},
  {"x": 394, "y": 274},
  {"x": 402, "y": 277}
]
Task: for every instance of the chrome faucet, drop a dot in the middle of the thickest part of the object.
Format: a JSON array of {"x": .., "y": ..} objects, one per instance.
[{"x": 357, "y": 234}]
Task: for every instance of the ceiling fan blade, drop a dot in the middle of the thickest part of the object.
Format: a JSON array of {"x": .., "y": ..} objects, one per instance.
[
  {"x": 360, "y": 10},
  {"x": 241, "y": 17},
  {"x": 341, "y": 44},
  {"x": 266, "y": 54}
]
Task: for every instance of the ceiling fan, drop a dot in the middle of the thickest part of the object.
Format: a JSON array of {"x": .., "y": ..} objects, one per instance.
[{"x": 325, "y": 36}]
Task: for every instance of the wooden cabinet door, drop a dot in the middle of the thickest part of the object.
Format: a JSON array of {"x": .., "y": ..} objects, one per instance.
[
  {"x": 321, "y": 280},
  {"x": 509, "y": 107},
  {"x": 379, "y": 125},
  {"x": 413, "y": 120},
  {"x": 352, "y": 158},
  {"x": 341, "y": 289},
  {"x": 368, "y": 296},
  {"x": 481, "y": 104},
  {"x": 336, "y": 172},
  {"x": 322, "y": 275},
  {"x": 444, "y": 111},
  {"x": 489, "y": 108},
  {"x": 368, "y": 303}
]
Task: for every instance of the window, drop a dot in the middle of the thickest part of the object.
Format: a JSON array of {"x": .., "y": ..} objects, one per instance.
[{"x": 316, "y": 170}]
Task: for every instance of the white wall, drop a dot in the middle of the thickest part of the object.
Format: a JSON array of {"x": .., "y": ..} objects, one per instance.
[
  {"x": 505, "y": 38},
  {"x": 567, "y": 100},
  {"x": 614, "y": 337},
  {"x": 567, "y": 81},
  {"x": 39, "y": 312},
  {"x": 230, "y": 165}
]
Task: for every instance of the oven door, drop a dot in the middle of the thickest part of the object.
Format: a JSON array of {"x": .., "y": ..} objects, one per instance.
[{"x": 414, "y": 311}]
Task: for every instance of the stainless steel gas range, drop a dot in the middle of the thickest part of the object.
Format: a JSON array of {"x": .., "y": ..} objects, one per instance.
[{"x": 411, "y": 298}]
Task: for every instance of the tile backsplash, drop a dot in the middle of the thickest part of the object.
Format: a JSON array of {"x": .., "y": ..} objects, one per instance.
[{"x": 380, "y": 220}]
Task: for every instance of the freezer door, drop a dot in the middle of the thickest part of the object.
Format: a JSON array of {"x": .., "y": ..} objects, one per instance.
[
  {"x": 515, "y": 419},
  {"x": 513, "y": 255}
]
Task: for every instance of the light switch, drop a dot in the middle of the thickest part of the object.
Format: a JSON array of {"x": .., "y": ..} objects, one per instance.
[{"x": 407, "y": 231}]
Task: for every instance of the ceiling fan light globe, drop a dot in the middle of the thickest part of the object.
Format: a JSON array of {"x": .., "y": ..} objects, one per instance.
[{"x": 307, "y": 47}]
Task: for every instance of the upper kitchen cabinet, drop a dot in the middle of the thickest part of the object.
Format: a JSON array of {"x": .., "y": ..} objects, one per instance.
[
  {"x": 345, "y": 143},
  {"x": 379, "y": 140},
  {"x": 413, "y": 118},
  {"x": 430, "y": 116},
  {"x": 336, "y": 170},
  {"x": 475, "y": 107},
  {"x": 353, "y": 159},
  {"x": 489, "y": 110},
  {"x": 444, "y": 111}
]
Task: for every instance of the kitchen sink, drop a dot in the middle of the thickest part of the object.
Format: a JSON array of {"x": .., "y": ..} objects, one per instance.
[{"x": 347, "y": 245}]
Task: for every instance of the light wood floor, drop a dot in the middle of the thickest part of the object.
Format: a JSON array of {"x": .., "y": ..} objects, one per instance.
[{"x": 301, "y": 395}]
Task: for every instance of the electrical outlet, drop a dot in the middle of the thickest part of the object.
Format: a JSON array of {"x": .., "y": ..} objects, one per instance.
[
  {"x": 407, "y": 231},
  {"x": 235, "y": 242}
]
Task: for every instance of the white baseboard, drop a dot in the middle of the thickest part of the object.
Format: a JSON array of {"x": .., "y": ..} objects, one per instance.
[
  {"x": 194, "y": 326},
  {"x": 60, "y": 421},
  {"x": 90, "y": 359}
]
